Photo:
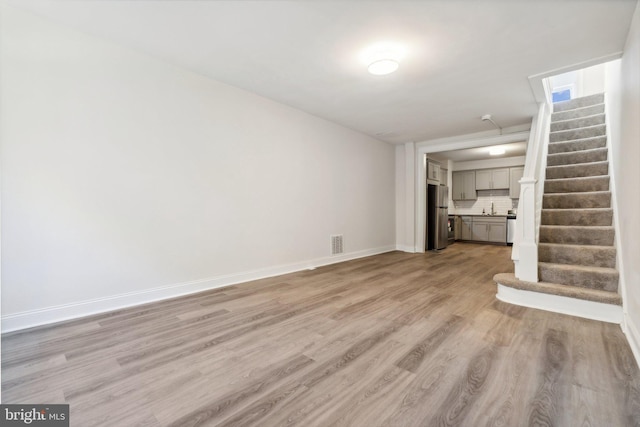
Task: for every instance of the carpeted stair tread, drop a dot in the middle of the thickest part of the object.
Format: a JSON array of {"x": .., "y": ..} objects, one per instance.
[
  {"x": 577, "y": 235},
  {"x": 589, "y": 110},
  {"x": 577, "y": 185},
  {"x": 577, "y": 145},
  {"x": 578, "y": 170},
  {"x": 558, "y": 253},
  {"x": 575, "y": 123},
  {"x": 602, "y": 278},
  {"x": 573, "y": 157},
  {"x": 584, "y": 101},
  {"x": 593, "y": 199},
  {"x": 581, "y": 133},
  {"x": 605, "y": 297},
  {"x": 581, "y": 217}
]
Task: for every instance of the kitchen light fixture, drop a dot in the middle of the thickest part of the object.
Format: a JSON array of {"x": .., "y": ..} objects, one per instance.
[
  {"x": 383, "y": 66},
  {"x": 496, "y": 151}
]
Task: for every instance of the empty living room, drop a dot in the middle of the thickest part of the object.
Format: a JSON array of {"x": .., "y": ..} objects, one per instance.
[{"x": 320, "y": 213}]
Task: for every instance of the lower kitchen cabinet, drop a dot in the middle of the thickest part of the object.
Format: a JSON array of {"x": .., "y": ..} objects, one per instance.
[
  {"x": 490, "y": 230},
  {"x": 466, "y": 224},
  {"x": 498, "y": 233}
]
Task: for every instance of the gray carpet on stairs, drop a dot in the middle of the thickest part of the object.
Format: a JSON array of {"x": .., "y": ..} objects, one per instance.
[
  {"x": 576, "y": 252},
  {"x": 576, "y": 233}
]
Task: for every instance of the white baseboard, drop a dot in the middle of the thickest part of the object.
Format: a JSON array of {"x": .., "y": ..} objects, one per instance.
[
  {"x": 564, "y": 305},
  {"x": 31, "y": 318},
  {"x": 633, "y": 337},
  {"x": 405, "y": 248}
]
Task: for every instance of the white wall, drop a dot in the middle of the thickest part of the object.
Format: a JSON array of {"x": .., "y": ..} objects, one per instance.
[
  {"x": 625, "y": 150},
  {"x": 126, "y": 179}
]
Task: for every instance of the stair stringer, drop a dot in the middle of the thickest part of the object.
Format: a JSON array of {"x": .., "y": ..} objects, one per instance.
[{"x": 616, "y": 219}]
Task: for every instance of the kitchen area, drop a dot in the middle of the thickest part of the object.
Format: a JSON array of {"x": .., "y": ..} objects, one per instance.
[{"x": 472, "y": 195}]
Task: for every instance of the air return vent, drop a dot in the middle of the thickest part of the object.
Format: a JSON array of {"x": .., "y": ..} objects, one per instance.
[{"x": 336, "y": 244}]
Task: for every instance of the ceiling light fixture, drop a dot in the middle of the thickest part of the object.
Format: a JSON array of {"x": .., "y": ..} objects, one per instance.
[
  {"x": 496, "y": 151},
  {"x": 383, "y": 66},
  {"x": 383, "y": 57}
]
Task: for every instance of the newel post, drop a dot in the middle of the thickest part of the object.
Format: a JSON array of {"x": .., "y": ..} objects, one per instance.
[{"x": 526, "y": 264}]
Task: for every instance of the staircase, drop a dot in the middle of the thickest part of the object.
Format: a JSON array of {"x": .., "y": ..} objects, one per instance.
[{"x": 576, "y": 253}]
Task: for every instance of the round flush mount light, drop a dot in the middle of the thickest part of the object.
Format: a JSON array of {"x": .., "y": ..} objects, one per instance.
[
  {"x": 383, "y": 66},
  {"x": 496, "y": 151},
  {"x": 383, "y": 57}
]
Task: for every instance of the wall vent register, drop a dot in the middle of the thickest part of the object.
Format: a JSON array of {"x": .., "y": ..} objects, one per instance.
[{"x": 336, "y": 244}]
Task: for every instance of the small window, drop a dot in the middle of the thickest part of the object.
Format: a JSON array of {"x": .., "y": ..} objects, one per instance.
[{"x": 563, "y": 95}]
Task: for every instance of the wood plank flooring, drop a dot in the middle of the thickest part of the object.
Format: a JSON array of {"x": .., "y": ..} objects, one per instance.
[{"x": 390, "y": 340}]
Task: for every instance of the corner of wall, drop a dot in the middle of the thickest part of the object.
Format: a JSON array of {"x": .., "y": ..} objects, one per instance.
[{"x": 633, "y": 336}]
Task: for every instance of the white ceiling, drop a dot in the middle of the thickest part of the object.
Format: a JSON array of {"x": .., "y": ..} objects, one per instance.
[
  {"x": 464, "y": 58},
  {"x": 512, "y": 149}
]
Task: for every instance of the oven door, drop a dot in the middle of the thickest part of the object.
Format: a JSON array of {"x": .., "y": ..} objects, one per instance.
[{"x": 451, "y": 229}]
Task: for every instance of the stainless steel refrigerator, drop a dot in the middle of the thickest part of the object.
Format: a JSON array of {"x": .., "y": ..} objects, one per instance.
[{"x": 437, "y": 216}]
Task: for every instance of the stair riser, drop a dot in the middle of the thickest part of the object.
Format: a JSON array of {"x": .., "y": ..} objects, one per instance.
[
  {"x": 588, "y": 236},
  {"x": 599, "y": 155},
  {"x": 585, "y": 101},
  {"x": 577, "y": 171},
  {"x": 581, "y": 112},
  {"x": 577, "y": 123},
  {"x": 578, "y": 145},
  {"x": 577, "y": 185},
  {"x": 576, "y": 201},
  {"x": 601, "y": 281},
  {"x": 567, "y": 135},
  {"x": 577, "y": 217},
  {"x": 577, "y": 255}
]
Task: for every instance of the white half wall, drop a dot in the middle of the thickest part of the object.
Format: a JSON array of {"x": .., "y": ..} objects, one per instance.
[
  {"x": 127, "y": 179},
  {"x": 625, "y": 150}
]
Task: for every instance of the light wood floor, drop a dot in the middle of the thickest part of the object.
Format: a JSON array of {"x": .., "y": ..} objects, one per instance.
[{"x": 391, "y": 340}]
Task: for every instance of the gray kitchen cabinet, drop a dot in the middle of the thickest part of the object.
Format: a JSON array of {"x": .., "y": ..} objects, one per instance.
[
  {"x": 514, "y": 181},
  {"x": 464, "y": 185},
  {"x": 466, "y": 224},
  {"x": 492, "y": 179},
  {"x": 444, "y": 176},
  {"x": 433, "y": 171},
  {"x": 479, "y": 232},
  {"x": 498, "y": 232},
  {"x": 490, "y": 229}
]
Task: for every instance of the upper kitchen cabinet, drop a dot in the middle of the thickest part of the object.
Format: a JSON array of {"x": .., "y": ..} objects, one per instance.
[
  {"x": 433, "y": 171},
  {"x": 492, "y": 179},
  {"x": 444, "y": 176},
  {"x": 464, "y": 185},
  {"x": 514, "y": 185}
]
